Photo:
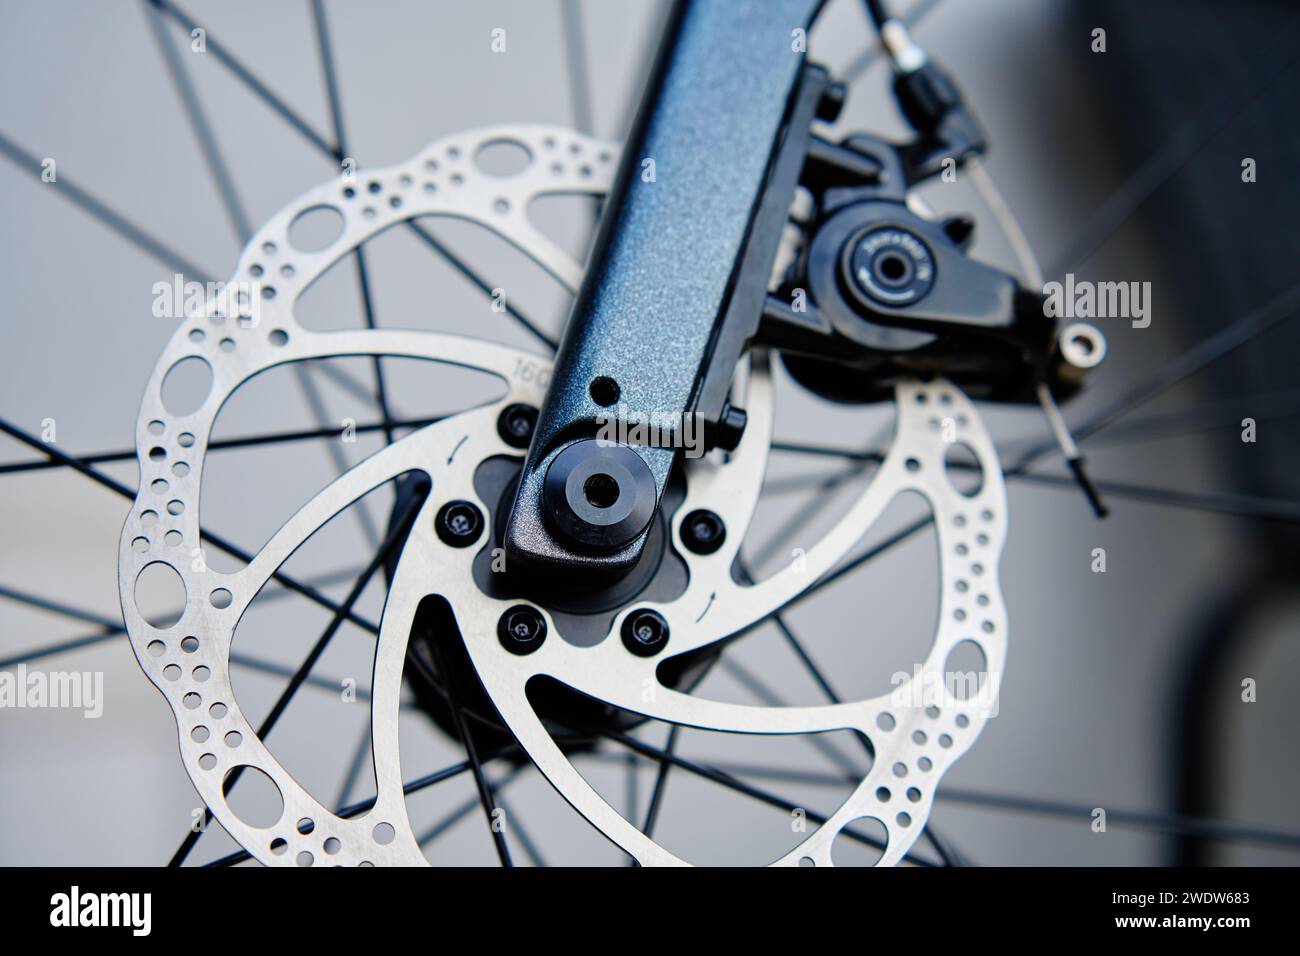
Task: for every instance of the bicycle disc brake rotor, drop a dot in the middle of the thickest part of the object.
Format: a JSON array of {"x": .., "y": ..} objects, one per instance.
[{"x": 912, "y": 734}]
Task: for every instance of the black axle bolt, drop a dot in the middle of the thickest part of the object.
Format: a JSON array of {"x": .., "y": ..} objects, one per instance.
[
  {"x": 703, "y": 532},
  {"x": 598, "y": 495},
  {"x": 459, "y": 523},
  {"x": 515, "y": 424},
  {"x": 645, "y": 632},
  {"x": 521, "y": 629}
]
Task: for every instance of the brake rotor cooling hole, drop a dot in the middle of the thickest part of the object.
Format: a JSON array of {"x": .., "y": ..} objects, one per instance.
[
  {"x": 963, "y": 468},
  {"x": 257, "y": 802},
  {"x": 601, "y": 491},
  {"x": 503, "y": 158},
  {"x": 315, "y": 228},
  {"x": 604, "y": 391},
  {"x": 160, "y": 595},
  {"x": 861, "y": 842},
  {"x": 965, "y": 670},
  {"x": 186, "y": 385}
]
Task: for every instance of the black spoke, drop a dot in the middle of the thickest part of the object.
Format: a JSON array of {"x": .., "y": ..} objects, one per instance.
[
  {"x": 396, "y": 535},
  {"x": 239, "y": 221},
  {"x": 356, "y": 809},
  {"x": 1249, "y": 506},
  {"x": 1223, "y": 830},
  {"x": 101, "y": 212},
  {"x": 331, "y": 685},
  {"x": 316, "y": 405},
  {"x": 520, "y": 832},
  {"x": 260, "y": 90},
  {"x": 831, "y": 695},
  {"x": 216, "y": 541},
  {"x": 731, "y": 783},
  {"x": 1272, "y": 313},
  {"x": 74, "y": 644},
  {"x": 363, "y": 275},
  {"x": 250, "y": 441},
  {"x": 1271, "y": 509},
  {"x": 661, "y": 783},
  {"x": 58, "y": 607},
  {"x": 483, "y": 285},
  {"x": 471, "y": 751},
  {"x": 464, "y": 809},
  {"x": 769, "y": 698},
  {"x": 1280, "y": 406},
  {"x": 113, "y": 629},
  {"x": 1159, "y": 822},
  {"x": 199, "y": 123},
  {"x": 1174, "y": 154},
  {"x": 800, "y": 651}
]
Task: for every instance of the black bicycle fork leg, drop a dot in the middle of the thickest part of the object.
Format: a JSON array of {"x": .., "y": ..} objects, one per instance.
[{"x": 661, "y": 274}]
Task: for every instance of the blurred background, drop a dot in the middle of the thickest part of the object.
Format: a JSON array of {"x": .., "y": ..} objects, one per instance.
[{"x": 1123, "y": 689}]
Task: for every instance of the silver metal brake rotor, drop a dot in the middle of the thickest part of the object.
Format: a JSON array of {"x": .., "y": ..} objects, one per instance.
[{"x": 916, "y": 731}]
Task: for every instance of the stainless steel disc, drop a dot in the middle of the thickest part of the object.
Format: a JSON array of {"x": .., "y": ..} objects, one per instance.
[{"x": 916, "y": 731}]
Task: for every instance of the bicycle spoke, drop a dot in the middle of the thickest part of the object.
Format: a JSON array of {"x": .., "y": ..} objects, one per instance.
[
  {"x": 824, "y": 683},
  {"x": 74, "y": 644},
  {"x": 1248, "y": 506},
  {"x": 202, "y": 129},
  {"x": 661, "y": 783},
  {"x": 226, "y": 444},
  {"x": 483, "y": 285},
  {"x": 1175, "y": 153},
  {"x": 1215, "y": 416},
  {"x": 467, "y": 739},
  {"x": 260, "y": 90},
  {"x": 526, "y": 841},
  {"x": 770, "y": 698},
  {"x": 395, "y": 537},
  {"x": 1271, "y": 509},
  {"x": 58, "y": 607},
  {"x": 363, "y": 275},
  {"x": 1221, "y": 830},
  {"x": 739, "y": 786},
  {"x": 462, "y": 810},
  {"x": 116, "y": 629},
  {"x": 1158, "y": 822},
  {"x": 104, "y": 214},
  {"x": 316, "y": 404},
  {"x": 356, "y": 809},
  {"x": 216, "y": 541},
  {"x": 1274, "y": 312},
  {"x": 234, "y": 211}
]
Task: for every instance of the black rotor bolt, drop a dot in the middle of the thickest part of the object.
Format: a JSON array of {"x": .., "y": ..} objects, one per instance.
[
  {"x": 521, "y": 629},
  {"x": 459, "y": 523},
  {"x": 645, "y": 632},
  {"x": 703, "y": 532},
  {"x": 515, "y": 424}
]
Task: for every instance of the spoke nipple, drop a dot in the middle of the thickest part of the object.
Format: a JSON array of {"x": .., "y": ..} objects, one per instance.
[
  {"x": 521, "y": 629},
  {"x": 459, "y": 523},
  {"x": 703, "y": 532},
  {"x": 516, "y": 423},
  {"x": 645, "y": 632}
]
